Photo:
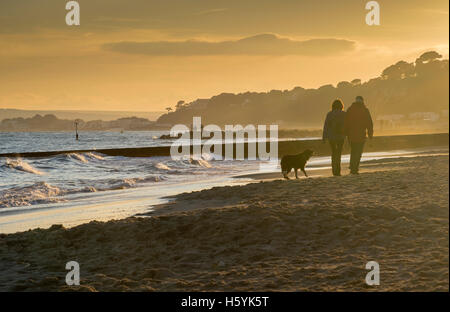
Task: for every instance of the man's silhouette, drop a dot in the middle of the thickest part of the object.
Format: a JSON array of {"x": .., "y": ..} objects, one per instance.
[{"x": 358, "y": 123}]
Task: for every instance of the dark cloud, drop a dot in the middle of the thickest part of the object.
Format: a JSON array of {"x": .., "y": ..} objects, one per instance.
[
  {"x": 264, "y": 44},
  {"x": 402, "y": 19}
]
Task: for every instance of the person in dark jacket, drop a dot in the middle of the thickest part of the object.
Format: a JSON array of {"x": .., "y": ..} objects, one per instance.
[
  {"x": 333, "y": 131},
  {"x": 358, "y": 124}
]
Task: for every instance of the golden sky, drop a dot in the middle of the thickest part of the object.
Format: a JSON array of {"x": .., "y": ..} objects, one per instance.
[{"x": 145, "y": 55}]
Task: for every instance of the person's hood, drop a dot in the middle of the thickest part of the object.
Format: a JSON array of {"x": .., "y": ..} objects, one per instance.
[{"x": 357, "y": 105}]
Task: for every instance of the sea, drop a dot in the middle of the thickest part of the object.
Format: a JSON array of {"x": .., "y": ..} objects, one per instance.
[{"x": 76, "y": 188}]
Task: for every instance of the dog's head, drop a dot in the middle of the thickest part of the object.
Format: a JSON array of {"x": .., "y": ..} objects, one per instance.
[{"x": 308, "y": 153}]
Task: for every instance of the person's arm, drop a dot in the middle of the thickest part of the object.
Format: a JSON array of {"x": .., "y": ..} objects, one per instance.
[
  {"x": 325, "y": 128},
  {"x": 369, "y": 125},
  {"x": 346, "y": 123}
]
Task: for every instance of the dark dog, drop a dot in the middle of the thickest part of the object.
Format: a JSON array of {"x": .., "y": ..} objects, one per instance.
[{"x": 295, "y": 162}]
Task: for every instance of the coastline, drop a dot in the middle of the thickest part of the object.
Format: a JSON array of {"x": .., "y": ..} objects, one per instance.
[{"x": 300, "y": 235}]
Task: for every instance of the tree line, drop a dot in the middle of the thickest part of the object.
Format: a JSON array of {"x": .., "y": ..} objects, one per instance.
[{"x": 402, "y": 88}]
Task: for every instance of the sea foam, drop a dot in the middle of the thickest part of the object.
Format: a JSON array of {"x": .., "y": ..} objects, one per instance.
[{"x": 38, "y": 193}]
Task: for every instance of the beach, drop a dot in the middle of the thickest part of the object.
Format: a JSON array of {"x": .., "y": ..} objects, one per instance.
[{"x": 311, "y": 234}]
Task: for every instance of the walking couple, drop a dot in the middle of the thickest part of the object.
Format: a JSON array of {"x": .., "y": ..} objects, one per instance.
[{"x": 354, "y": 124}]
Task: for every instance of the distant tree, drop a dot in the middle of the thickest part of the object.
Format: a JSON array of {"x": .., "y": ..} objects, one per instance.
[
  {"x": 429, "y": 65},
  {"x": 356, "y": 82},
  {"x": 406, "y": 69},
  {"x": 180, "y": 105},
  {"x": 428, "y": 57},
  {"x": 390, "y": 72},
  {"x": 327, "y": 87},
  {"x": 275, "y": 92},
  {"x": 168, "y": 109},
  {"x": 400, "y": 70},
  {"x": 344, "y": 84}
]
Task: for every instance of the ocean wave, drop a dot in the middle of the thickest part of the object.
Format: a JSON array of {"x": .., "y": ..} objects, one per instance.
[
  {"x": 199, "y": 162},
  {"x": 78, "y": 157},
  {"x": 45, "y": 193},
  {"x": 95, "y": 156},
  {"x": 162, "y": 166},
  {"x": 125, "y": 183},
  {"x": 81, "y": 157},
  {"x": 181, "y": 165},
  {"x": 21, "y": 165},
  {"x": 211, "y": 156},
  {"x": 87, "y": 189},
  {"x": 38, "y": 193},
  {"x": 189, "y": 162}
]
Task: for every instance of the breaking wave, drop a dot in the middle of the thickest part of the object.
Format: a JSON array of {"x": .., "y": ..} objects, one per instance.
[
  {"x": 45, "y": 193},
  {"x": 200, "y": 162},
  {"x": 84, "y": 157},
  {"x": 67, "y": 177},
  {"x": 38, "y": 193},
  {"x": 78, "y": 157},
  {"x": 162, "y": 166},
  {"x": 121, "y": 184},
  {"x": 95, "y": 156},
  {"x": 21, "y": 165}
]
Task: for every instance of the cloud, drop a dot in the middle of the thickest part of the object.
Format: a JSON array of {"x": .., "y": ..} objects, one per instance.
[{"x": 263, "y": 44}]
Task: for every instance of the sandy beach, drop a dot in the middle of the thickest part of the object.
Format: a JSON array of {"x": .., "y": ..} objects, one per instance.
[{"x": 312, "y": 234}]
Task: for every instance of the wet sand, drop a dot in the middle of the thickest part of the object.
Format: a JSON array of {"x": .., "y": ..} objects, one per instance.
[{"x": 312, "y": 234}]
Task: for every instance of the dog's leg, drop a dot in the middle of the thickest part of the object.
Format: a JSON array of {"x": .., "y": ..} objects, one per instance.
[
  {"x": 296, "y": 176},
  {"x": 286, "y": 174},
  {"x": 303, "y": 169}
]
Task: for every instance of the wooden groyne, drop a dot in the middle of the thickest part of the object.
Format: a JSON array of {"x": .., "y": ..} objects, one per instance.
[{"x": 380, "y": 143}]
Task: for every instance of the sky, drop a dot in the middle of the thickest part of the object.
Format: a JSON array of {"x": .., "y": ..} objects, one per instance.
[{"x": 145, "y": 55}]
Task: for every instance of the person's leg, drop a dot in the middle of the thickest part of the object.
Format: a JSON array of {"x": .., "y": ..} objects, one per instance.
[
  {"x": 353, "y": 156},
  {"x": 333, "y": 156},
  {"x": 339, "y": 145},
  {"x": 360, "y": 148}
]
